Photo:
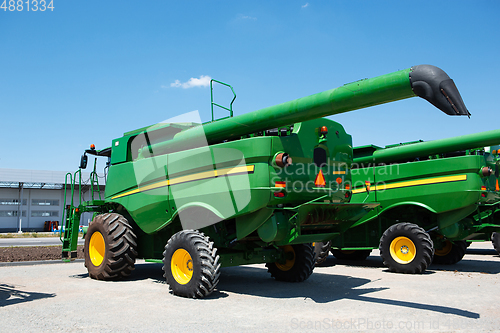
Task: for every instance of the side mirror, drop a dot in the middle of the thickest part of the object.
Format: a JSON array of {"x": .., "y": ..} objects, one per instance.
[{"x": 83, "y": 161}]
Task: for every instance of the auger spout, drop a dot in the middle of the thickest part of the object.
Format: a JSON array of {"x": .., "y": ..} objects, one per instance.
[
  {"x": 424, "y": 149},
  {"x": 434, "y": 85},
  {"x": 428, "y": 82}
]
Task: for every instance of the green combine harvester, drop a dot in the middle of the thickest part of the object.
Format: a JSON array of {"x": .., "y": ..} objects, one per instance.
[
  {"x": 434, "y": 196},
  {"x": 254, "y": 188}
]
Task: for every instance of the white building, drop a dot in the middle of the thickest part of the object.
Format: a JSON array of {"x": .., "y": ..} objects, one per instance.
[{"x": 29, "y": 198}]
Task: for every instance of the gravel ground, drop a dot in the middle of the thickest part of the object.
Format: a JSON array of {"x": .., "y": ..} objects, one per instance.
[
  {"x": 340, "y": 296},
  {"x": 34, "y": 253}
]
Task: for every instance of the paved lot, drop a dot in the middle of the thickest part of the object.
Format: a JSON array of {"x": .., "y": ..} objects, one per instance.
[
  {"x": 337, "y": 297},
  {"x": 39, "y": 241}
]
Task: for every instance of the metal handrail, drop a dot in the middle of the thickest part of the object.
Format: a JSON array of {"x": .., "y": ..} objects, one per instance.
[{"x": 230, "y": 109}]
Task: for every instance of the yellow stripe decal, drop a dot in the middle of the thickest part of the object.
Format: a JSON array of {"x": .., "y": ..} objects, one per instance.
[
  {"x": 429, "y": 181},
  {"x": 189, "y": 178},
  {"x": 339, "y": 172}
]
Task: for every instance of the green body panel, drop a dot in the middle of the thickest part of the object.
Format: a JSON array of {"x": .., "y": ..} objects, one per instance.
[
  {"x": 448, "y": 196},
  {"x": 198, "y": 187}
]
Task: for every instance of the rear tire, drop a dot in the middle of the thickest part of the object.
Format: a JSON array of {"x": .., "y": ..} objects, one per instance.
[
  {"x": 406, "y": 248},
  {"x": 191, "y": 264},
  {"x": 110, "y": 247},
  {"x": 357, "y": 255},
  {"x": 298, "y": 266},
  {"x": 321, "y": 251},
  {"x": 495, "y": 240},
  {"x": 450, "y": 254}
]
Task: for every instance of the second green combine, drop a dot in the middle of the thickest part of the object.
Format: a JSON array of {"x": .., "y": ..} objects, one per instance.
[{"x": 434, "y": 196}]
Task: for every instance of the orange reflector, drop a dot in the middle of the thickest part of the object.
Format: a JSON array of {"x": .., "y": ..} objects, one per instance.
[
  {"x": 367, "y": 185},
  {"x": 347, "y": 186},
  {"x": 279, "y": 194},
  {"x": 77, "y": 210},
  {"x": 494, "y": 152},
  {"x": 496, "y": 187},
  {"x": 339, "y": 180},
  {"x": 320, "y": 180},
  {"x": 280, "y": 184},
  {"x": 483, "y": 188}
]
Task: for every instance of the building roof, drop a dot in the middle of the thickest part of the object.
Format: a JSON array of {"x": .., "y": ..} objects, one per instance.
[{"x": 16, "y": 176}]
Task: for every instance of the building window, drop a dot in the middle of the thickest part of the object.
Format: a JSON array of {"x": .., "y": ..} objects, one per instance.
[
  {"x": 44, "y": 213},
  {"x": 11, "y": 213},
  {"x": 44, "y": 202},
  {"x": 12, "y": 202}
]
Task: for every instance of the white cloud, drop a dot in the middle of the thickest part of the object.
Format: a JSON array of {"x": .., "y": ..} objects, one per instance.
[
  {"x": 306, "y": 5},
  {"x": 203, "y": 81},
  {"x": 241, "y": 17}
]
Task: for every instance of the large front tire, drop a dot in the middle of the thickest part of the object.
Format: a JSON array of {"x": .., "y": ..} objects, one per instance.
[
  {"x": 451, "y": 253},
  {"x": 406, "y": 248},
  {"x": 298, "y": 266},
  {"x": 191, "y": 264},
  {"x": 110, "y": 247}
]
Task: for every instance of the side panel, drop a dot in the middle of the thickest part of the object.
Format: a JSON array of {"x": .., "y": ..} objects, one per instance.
[{"x": 225, "y": 179}]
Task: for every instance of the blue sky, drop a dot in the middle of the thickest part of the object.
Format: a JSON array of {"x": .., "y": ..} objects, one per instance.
[{"x": 88, "y": 71}]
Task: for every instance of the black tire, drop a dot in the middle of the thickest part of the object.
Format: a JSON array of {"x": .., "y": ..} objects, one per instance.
[
  {"x": 450, "y": 254},
  {"x": 110, "y": 247},
  {"x": 357, "y": 255},
  {"x": 299, "y": 264},
  {"x": 321, "y": 251},
  {"x": 495, "y": 240},
  {"x": 403, "y": 259},
  {"x": 196, "y": 274}
]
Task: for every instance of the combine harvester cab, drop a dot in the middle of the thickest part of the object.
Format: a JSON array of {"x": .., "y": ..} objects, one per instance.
[
  {"x": 254, "y": 188},
  {"x": 443, "y": 190}
]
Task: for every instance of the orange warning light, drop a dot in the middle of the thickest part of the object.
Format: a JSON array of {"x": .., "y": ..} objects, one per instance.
[{"x": 320, "y": 180}]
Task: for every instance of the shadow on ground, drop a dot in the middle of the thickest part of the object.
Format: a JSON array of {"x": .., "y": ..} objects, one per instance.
[
  {"x": 320, "y": 287},
  {"x": 464, "y": 266},
  {"x": 485, "y": 252},
  {"x": 141, "y": 272},
  {"x": 9, "y": 295}
]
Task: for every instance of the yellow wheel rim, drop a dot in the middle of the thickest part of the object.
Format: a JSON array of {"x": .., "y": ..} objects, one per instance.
[
  {"x": 290, "y": 259},
  {"x": 403, "y": 250},
  {"x": 181, "y": 266},
  {"x": 97, "y": 248},
  {"x": 445, "y": 250}
]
